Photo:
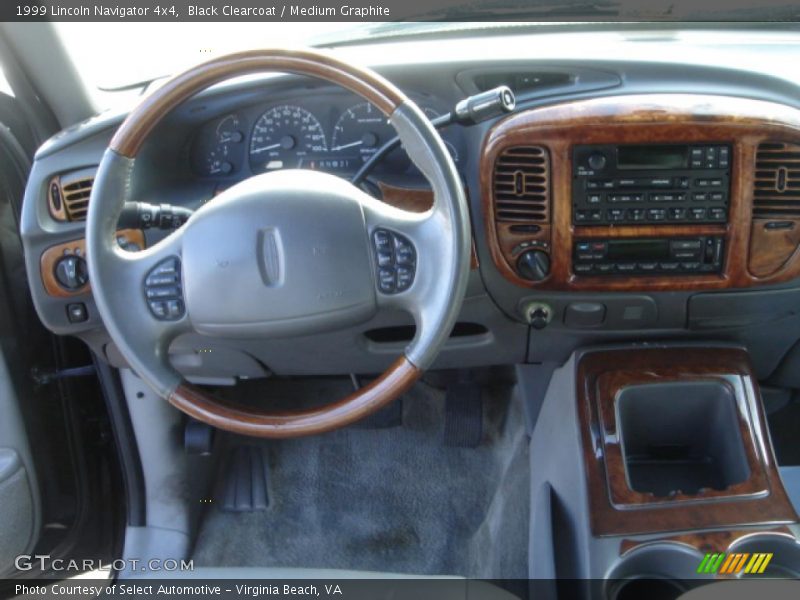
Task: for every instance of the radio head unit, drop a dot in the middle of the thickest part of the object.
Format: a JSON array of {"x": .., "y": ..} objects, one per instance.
[{"x": 651, "y": 184}]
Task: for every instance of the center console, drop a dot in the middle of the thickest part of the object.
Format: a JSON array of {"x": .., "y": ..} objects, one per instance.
[
  {"x": 658, "y": 456},
  {"x": 657, "y": 192}
]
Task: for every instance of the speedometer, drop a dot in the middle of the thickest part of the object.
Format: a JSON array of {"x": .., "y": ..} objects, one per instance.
[{"x": 284, "y": 137}]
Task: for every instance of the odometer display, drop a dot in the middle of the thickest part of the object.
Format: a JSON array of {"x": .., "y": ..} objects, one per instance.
[{"x": 283, "y": 137}]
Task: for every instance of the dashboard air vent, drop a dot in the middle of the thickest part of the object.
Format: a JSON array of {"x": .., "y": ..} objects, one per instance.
[
  {"x": 521, "y": 185},
  {"x": 68, "y": 195},
  {"x": 776, "y": 191}
]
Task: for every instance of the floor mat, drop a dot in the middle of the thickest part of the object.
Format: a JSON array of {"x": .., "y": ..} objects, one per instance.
[{"x": 391, "y": 499}]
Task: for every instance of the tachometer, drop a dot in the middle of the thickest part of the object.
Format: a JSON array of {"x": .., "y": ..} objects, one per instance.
[
  {"x": 360, "y": 131},
  {"x": 283, "y": 137}
]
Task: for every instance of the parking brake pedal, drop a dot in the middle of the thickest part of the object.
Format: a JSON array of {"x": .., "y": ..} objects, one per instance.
[
  {"x": 245, "y": 487},
  {"x": 463, "y": 411}
]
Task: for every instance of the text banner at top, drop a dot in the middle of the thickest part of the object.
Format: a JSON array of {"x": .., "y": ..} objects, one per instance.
[{"x": 400, "y": 10}]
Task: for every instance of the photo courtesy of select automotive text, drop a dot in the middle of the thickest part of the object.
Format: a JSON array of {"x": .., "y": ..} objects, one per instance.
[{"x": 400, "y": 299}]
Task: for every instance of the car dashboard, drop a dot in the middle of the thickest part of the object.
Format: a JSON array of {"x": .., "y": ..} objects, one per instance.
[{"x": 625, "y": 199}]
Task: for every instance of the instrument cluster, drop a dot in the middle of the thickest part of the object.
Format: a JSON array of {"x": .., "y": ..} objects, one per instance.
[{"x": 327, "y": 133}]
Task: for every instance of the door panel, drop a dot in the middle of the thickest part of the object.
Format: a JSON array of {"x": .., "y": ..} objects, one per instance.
[{"x": 20, "y": 514}]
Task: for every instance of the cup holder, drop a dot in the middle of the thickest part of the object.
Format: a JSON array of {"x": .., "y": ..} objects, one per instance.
[
  {"x": 681, "y": 437},
  {"x": 662, "y": 571},
  {"x": 785, "y": 561}
]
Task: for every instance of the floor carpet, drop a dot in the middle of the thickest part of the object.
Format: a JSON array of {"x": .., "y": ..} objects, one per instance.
[{"x": 391, "y": 499}]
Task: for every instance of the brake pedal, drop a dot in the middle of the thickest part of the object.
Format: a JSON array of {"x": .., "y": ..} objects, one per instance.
[
  {"x": 245, "y": 488},
  {"x": 463, "y": 412}
]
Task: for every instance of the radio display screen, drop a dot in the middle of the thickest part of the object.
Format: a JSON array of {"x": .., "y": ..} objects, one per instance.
[
  {"x": 652, "y": 157},
  {"x": 638, "y": 250}
]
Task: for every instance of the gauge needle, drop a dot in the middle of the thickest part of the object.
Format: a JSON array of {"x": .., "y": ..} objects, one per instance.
[
  {"x": 265, "y": 148},
  {"x": 350, "y": 145}
]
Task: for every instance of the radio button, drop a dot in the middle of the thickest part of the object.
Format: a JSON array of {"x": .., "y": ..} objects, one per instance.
[
  {"x": 597, "y": 161},
  {"x": 711, "y": 157},
  {"x": 604, "y": 267},
  {"x": 637, "y": 214},
  {"x": 677, "y": 214},
  {"x": 724, "y": 157},
  {"x": 662, "y": 197},
  {"x": 657, "y": 214},
  {"x": 717, "y": 214},
  {"x": 599, "y": 184},
  {"x": 686, "y": 244},
  {"x": 626, "y": 198}
]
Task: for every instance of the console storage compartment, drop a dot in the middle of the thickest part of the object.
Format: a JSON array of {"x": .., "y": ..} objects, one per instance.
[
  {"x": 675, "y": 438},
  {"x": 681, "y": 437}
]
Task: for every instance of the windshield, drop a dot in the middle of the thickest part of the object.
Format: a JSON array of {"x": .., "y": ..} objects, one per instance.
[{"x": 102, "y": 51}]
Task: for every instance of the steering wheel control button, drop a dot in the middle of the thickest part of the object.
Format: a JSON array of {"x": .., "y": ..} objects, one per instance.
[
  {"x": 71, "y": 272},
  {"x": 387, "y": 281},
  {"x": 163, "y": 290},
  {"x": 76, "y": 312},
  {"x": 397, "y": 261}
]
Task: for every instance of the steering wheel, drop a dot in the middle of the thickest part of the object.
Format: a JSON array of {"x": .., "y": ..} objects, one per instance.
[{"x": 281, "y": 254}]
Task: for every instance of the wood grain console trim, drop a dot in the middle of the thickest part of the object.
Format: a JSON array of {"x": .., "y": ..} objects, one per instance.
[
  {"x": 396, "y": 380},
  {"x": 49, "y": 258},
  {"x": 615, "y": 509},
  {"x": 651, "y": 118}
]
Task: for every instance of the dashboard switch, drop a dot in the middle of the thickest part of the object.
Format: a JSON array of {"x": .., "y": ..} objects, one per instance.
[
  {"x": 397, "y": 261},
  {"x": 164, "y": 292},
  {"x": 76, "y": 312},
  {"x": 71, "y": 272}
]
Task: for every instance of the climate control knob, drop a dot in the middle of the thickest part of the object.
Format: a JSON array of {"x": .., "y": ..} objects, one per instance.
[{"x": 534, "y": 265}]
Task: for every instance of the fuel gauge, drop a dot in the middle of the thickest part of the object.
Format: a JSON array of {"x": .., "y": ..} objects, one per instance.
[{"x": 222, "y": 147}]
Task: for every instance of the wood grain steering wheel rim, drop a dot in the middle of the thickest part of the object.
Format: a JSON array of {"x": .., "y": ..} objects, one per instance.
[{"x": 114, "y": 176}]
